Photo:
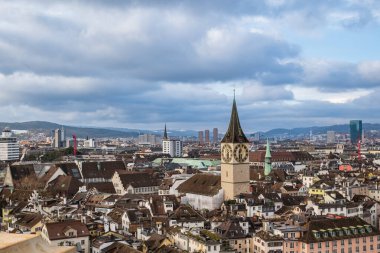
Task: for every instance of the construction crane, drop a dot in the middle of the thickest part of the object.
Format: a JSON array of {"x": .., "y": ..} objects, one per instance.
[{"x": 75, "y": 144}]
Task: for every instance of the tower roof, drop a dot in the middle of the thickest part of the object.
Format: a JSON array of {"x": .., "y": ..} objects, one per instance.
[
  {"x": 234, "y": 133},
  {"x": 165, "y": 134}
]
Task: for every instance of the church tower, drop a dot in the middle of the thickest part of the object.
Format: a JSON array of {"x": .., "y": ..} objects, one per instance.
[
  {"x": 268, "y": 161},
  {"x": 235, "y": 158}
]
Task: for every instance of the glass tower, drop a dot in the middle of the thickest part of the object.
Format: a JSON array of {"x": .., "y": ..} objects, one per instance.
[{"x": 356, "y": 131}]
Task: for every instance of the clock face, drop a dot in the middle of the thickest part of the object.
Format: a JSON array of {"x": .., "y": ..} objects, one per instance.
[
  {"x": 241, "y": 153},
  {"x": 226, "y": 153}
]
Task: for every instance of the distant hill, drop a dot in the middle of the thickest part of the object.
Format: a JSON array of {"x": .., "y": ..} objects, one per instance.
[
  {"x": 81, "y": 132},
  {"x": 317, "y": 130}
]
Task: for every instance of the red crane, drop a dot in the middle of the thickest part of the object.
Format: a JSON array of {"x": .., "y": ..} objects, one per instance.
[{"x": 75, "y": 144}]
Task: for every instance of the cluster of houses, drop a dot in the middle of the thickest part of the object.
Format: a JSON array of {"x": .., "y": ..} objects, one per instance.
[{"x": 107, "y": 207}]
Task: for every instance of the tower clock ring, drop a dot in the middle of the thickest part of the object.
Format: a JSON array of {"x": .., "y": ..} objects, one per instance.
[
  {"x": 241, "y": 153},
  {"x": 226, "y": 153}
]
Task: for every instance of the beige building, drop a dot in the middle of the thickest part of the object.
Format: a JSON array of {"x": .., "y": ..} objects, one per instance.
[
  {"x": 67, "y": 233},
  {"x": 235, "y": 158}
]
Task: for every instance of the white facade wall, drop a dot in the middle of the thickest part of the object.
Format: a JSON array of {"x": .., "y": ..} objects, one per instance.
[
  {"x": 72, "y": 241},
  {"x": 9, "y": 148},
  {"x": 172, "y": 147},
  {"x": 200, "y": 202}
]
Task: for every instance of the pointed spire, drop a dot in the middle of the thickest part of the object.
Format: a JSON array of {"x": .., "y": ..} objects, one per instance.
[
  {"x": 267, "y": 153},
  {"x": 165, "y": 133},
  {"x": 234, "y": 133}
]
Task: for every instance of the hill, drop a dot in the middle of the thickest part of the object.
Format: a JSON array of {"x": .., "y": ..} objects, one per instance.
[{"x": 81, "y": 132}]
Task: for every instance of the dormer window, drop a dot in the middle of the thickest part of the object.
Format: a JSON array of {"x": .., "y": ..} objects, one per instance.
[{"x": 316, "y": 234}]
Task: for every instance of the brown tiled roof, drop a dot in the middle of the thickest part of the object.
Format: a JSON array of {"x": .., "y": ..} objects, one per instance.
[
  {"x": 56, "y": 229},
  {"x": 70, "y": 169},
  {"x": 101, "y": 169},
  {"x": 280, "y": 156},
  {"x": 202, "y": 184},
  {"x": 118, "y": 247},
  {"x": 64, "y": 185},
  {"x": 157, "y": 204},
  {"x": 22, "y": 170},
  {"x": 116, "y": 215},
  {"x": 138, "y": 215},
  {"x": 230, "y": 229},
  {"x": 29, "y": 219},
  {"x": 105, "y": 187},
  {"x": 186, "y": 213},
  {"x": 266, "y": 236},
  {"x": 138, "y": 179},
  {"x": 325, "y": 224}
]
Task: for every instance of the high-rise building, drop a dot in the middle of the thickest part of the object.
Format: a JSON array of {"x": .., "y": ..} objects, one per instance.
[
  {"x": 148, "y": 139},
  {"x": 235, "y": 175},
  {"x": 268, "y": 160},
  {"x": 63, "y": 137},
  {"x": 215, "y": 137},
  {"x": 57, "y": 138},
  {"x": 173, "y": 147},
  {"x": 200, "y": 137},
  {"x": 330, "y": 137},
  {"x": 356, "y": 131},
  {"x": 207, "y": 136},
  {"x": 9, "y": 148}
]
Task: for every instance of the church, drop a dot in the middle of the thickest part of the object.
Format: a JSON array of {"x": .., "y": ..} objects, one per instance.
[
  {"x": 234, "y": 158},
  {"x": 208, "y": 191}
]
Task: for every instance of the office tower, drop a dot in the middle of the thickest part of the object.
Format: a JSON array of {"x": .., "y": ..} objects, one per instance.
[
  {"x": 215, "y": 137},
  {"x": 207, "y": 136},
  {"x": 173, "y": 147},
  {"x": 57, "y": 138},
  {"x": 200, "y": 137},
  {"x": 356, "y": 131},
  {"x": 63, "y": 137},
  {"x": 9, "y": 148},
  {"x": 330, "y": 137}
]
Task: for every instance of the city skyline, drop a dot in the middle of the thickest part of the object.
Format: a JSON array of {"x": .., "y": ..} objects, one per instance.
[{"x": 140, "y": 64}]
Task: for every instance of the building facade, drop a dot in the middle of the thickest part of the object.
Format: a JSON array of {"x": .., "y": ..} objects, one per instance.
[
  {"x": 215, "y": 135},
  {"x": 356, "y": 130},
  {"x": 9, "y": 147},
  {"x": 173, "y": 147}
]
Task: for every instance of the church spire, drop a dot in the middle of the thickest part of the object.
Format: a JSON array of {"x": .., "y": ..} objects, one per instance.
[
  {"x": 165, "y": 133},
  {"x": 234, "y": 133}
]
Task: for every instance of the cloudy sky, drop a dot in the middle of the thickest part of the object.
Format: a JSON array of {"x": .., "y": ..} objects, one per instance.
[{"x": 138, "y": 64}]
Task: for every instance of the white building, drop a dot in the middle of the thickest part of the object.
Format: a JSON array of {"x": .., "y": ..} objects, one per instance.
[
  {"x": 172, "y": 147},
  {"x": 9, "y": 147},
  {"x": 330, "y": 137},
  {"x": 90, "y": 143}
]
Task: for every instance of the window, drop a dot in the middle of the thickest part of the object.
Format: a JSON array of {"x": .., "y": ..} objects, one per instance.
[
  {"x": 364, "y": 248},
  {"x": 349, "y": 241},
  {"x": 319, "y": 245},
  {"x": 82, "y": 242},
  {"x": 327, "y": 244},
  {"x": 342, "y": 242},
  {"x": 312, "y": 245}
]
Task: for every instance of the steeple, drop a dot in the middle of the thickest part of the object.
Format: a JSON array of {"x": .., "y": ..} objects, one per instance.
[
  {"x": 268, "y": 162},
  {"x": 165, "y": 133},
  {"x": 234, "y": 133}
]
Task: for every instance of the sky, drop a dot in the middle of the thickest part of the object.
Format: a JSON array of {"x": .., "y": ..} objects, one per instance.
[{"x": 141, "y": 64}]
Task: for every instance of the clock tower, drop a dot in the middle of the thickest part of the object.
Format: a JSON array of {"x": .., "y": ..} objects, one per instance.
[{"x": 235, "y": 158}]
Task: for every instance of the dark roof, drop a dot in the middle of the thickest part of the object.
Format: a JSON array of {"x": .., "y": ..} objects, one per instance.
[
  {"x": 266, "y": 236},
  {"x": 230, "y": 229},
  {"x": 234, "y": 133},
  {"x": 138, "y": 215},
  {"x": 202, "y": 183},
  {"x": 281, "y": 156},
  {"x": 187, "y": 214},
  {"x": 158, "y": 202},
  {"x": 101, "y": 169},
  {"x": 324, "y": 224},
  {"x": 22, "y": 170},
  {"x": 29, "y": 219},
  {"x": 70, "y": 169},
  {"x": 138, "y": 179},
  {"x": 56, "y": 229},
  {"x": 105, "y": 187},
  {"x": 64, "y": 185},
  {"x": 118, "y": 247}
]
